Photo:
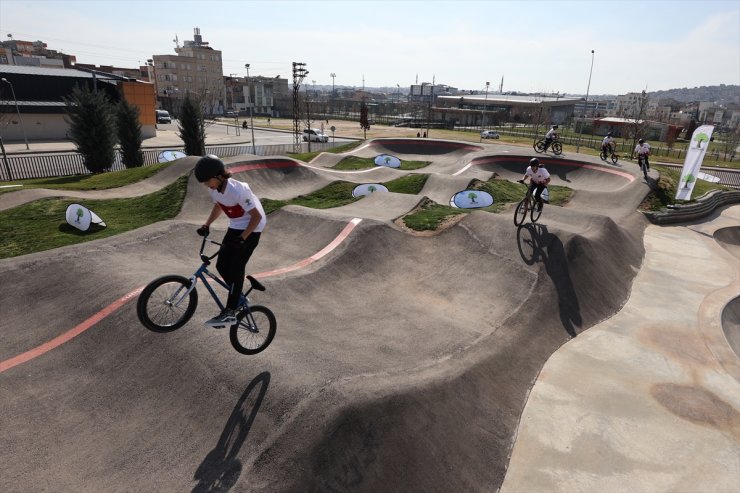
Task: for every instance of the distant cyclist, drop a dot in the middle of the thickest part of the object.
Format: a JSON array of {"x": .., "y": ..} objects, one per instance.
[
  {"x": 246, "y": 221},
  {"x": 539, "y": 178},
  {"x": 551, "y": 135},
  {"x": 643, "y": 149},
  {"x": 607, "y": 145}
]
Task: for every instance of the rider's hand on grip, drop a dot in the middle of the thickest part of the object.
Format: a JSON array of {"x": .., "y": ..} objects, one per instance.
[
  {"x": 203, "y": 230},
  {"x": 520, "y": 181}
]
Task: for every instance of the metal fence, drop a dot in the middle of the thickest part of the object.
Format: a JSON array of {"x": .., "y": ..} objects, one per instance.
[{"x": 57, "y": 164}]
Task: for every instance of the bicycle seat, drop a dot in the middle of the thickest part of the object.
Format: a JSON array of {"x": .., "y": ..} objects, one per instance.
[{"x": 256, "y": 284}]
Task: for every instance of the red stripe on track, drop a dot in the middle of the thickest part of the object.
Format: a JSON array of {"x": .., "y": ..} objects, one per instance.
[{"x": 108, "y": 310}]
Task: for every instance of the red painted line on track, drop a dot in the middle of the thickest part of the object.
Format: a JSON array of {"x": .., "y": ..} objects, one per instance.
[
  {"x": 113, "y": 307},
  {"x": 70, "y": 334},
  {"x": 277, "y": 163}
]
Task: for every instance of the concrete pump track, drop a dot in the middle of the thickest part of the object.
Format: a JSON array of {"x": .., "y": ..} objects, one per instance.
[{"x": 402, "y": 362}]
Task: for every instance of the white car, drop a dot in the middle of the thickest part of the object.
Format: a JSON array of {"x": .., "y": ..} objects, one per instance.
[
  {"x": 489, "y": 134},
  {"x": 314, "y": 135}
]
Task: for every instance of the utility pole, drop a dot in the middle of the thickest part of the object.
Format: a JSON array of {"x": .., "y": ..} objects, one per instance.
[
  {"x": 251, "y": 111},
  {"x": 585, "y": 105},
  {"x": 332, "y": 75},
  {"x": 483, "y": 120},
  {"x": 299, "y": 73}
]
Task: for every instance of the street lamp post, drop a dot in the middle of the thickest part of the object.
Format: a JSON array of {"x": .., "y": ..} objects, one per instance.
[
  {"x": 483, "y": 120},
  {"x": 251, "y": 116},
  {"x": 585, "y": 105},
  {"x": 332, "y": 75},
  {"x": 17, "y": 110}
]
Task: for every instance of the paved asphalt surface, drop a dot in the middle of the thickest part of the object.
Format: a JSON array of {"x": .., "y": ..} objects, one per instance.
[{"x": 479, "y": 358}]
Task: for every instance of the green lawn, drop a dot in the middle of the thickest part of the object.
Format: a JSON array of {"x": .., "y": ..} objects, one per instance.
[{"x": 355, "y": 163}]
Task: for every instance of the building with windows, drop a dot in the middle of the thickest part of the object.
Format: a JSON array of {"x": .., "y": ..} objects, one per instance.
[
  {"x": 493, "y": 109},
  {"x": 196, "y": 69},
  {"x": 40, "y": 92}
]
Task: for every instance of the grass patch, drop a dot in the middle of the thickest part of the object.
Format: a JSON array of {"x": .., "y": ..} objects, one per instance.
[
  {"x": 100, "y": 181},
  {"x": 308, "y": 156},
  {"x": 664, "y": 192},
  {"x": 354, "y": 163},
  {"x": 41, "y": 225},
  {"x": 410, "y": 184},
  {"x": 429, "y": 216},
  {"x": 335, "y": 194}
]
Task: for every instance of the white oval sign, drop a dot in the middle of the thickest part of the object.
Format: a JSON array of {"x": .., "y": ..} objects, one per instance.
[
  {"x": 368, "y": 189},
  {"x": 167, "y": 156},
  {"x": 387, "y": 160},
  {"x": 81, "y": 217},
  {"x": 471, "y": 199}
]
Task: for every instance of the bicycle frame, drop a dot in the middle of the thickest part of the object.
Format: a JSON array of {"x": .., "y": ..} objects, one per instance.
[{"x": 203, "y": 274}]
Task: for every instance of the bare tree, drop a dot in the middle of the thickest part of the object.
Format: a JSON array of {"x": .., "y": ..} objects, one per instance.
[{"x": 637, "y": 127}]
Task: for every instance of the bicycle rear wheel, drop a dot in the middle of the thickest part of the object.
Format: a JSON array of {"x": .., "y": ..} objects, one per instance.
[
  {"x": 163, "y": 305},
  {"x": 520, "y": 214},
  {"x": 254, "y": 330},
  {"x": 557, "y": 148},
  {"x": 539, "y": 146}
]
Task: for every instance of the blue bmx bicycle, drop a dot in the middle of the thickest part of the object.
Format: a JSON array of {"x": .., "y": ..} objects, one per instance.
[{"x": 168, "y": 302}]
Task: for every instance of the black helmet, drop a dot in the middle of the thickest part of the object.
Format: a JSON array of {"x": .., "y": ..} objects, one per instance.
[
  {"x": 534, "y": 162},
  {"x": 609, "y": 134},
  {"x": 554, "y": 126},
  {"x": 208, "y": 167},
  {"x": 641, "y": 141}
]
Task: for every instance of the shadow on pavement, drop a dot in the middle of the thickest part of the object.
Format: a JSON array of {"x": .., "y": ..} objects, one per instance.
[
  {"x": 221, "y": 469},
  {"x": 537, "y": 244}
]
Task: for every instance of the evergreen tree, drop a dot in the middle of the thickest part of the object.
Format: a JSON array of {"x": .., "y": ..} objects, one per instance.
[
  {"x": 91, "y": 128},
  {"x": 129, "y": 134},
  {"x": 192, "y": 127}
]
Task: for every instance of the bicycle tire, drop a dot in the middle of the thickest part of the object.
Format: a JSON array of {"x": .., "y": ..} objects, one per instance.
[
  {"x": 156, "y": 312},
  {"x": 535, "y": 213},
  {"x": 615, "y": 158},
  {"x": 539, "y": 146},
  {"x": 520, "y": 213},
  {"x": 242, "y": 332},
  {"x": 557, "y": 148},
  {"x": 602, "y": 155}
]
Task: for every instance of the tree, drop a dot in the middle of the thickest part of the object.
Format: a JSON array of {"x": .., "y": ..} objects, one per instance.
[
  {"x": 128, "y": 128},
  {"x": 638, "y": 126},
  {"x": 364, "y": 122},
  {"x": 91, "y": 128},
  {"x": 192, "y": 128}
]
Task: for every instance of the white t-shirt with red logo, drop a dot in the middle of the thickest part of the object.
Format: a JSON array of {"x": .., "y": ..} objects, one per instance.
[
  {"x": 539, "y": 177},
  {"x": 236, "y": 202}
]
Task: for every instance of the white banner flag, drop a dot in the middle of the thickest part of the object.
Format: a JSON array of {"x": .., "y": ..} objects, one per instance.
[{"x": 694, "y": 157}]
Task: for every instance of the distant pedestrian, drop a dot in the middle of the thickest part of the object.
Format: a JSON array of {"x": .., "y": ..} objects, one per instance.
[
  {"x": 418, "y": 135},
  {"x": 268, "y": 121},
  {"x": 425, "y": 135}
]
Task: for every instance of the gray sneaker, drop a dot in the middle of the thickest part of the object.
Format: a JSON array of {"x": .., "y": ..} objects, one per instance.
[{"x": 226, "y": 318}]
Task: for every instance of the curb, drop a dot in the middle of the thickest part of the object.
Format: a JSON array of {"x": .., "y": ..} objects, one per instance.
[{"x": 704, "y": 206}]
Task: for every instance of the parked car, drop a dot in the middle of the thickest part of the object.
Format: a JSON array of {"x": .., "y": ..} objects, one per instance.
[
  {"x": 489, "y": 134},
  {"x": 163, "y": 116},
  {"x": 314, "y": 135}
]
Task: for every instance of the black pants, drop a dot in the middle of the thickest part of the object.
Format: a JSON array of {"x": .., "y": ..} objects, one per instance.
[
  {"x": 232, "y": 263},
  {"x": 538, "y": 188},
  {"x": 548, "y": 141}
]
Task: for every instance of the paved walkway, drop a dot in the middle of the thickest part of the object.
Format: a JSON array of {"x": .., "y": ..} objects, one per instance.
[{"x": 648, "y": 400}]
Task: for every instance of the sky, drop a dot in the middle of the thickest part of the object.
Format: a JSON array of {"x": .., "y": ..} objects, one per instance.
[{"x": 534, "y": 46}]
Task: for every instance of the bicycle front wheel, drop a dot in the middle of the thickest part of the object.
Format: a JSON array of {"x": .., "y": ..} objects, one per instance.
[
  {"x": 536, "y": 212},
  {"x": 602, "y": 155},
  {"x": 557, "y": 148},
  {"x": 615, "y": 158},
  {"x": 254, "y": 330},
  {"x": 539, "y": 146},
  {"x": 520, "y": 214},
  {"x": 164, "y": 306}
]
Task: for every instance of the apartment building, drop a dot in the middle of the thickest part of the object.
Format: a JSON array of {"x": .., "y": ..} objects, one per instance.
[{"x": 196, "y": 69}]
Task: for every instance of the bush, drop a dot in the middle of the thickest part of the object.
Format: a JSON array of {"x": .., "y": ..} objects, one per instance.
[
  {"x": 192, "y": 127},
  {"x": 129, "y": 134},
  {"x": 91, "y": 128}
]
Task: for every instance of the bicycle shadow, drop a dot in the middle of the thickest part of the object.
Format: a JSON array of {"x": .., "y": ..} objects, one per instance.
[
  {"x": 545, "y": 247},
  {"x": 221, "y": 469}
]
